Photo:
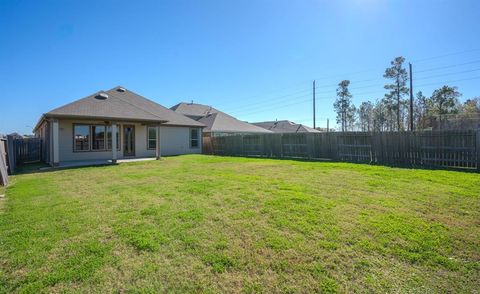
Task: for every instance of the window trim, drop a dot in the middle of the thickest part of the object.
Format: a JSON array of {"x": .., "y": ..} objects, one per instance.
[
  {"x": 92, "y": 135},
  {"x": 198, "y": 138},
  {"x": 73, "y": 137},
  {"x": 148, "y": 138}
]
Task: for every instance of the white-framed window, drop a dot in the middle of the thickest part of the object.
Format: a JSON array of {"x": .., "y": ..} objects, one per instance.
[
  {"x": 81, "y": 137},
  {"x": 151, "y": 137},
  {"x": 96, "y": 137},
  {"x": 194, "y": 138}
]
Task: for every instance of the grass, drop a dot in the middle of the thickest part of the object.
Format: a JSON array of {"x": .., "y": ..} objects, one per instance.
[{"x": 215, "y": 224}]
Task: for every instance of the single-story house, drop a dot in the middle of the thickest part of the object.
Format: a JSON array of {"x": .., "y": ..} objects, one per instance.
[
  {"x": 216, "y": 122},
  {"x": 285, "y": 126},
  {"x": 115, "y": 124}
]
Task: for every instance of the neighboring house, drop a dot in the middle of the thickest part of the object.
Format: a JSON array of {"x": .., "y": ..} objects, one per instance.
[
  {"x": 216, "y": 122},
  {"x": 16, "y": 135},
  {"x": 115, "y": 124},
  {"x": 285, "y": 126}
]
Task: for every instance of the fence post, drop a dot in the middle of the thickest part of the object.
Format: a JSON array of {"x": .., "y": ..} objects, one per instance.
[
  {"x": 3, "y": 164},
  {"x": 11, "y": 154},
  {"x": 477, "y": 148}
]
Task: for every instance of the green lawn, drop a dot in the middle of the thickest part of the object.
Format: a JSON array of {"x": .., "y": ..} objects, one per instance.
[{"x": 217, "y": 224}]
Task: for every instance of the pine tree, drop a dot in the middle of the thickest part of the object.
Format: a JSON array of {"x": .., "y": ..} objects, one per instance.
[
  {"x": 397, "y": 88},
  {"x": 445, "y": 101},
  {"x": 422, "y": 109},
  {"x": 343, "y": 104},
  {"x": 380, "y": 116}
]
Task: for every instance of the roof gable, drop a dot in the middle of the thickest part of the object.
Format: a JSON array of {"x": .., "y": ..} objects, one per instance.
[
  {"x": 193, "y": 109},
  {"x": 216, "y": 120},
  {"x": 120, "y": 103},
  {"x": 222, "y": 122}
]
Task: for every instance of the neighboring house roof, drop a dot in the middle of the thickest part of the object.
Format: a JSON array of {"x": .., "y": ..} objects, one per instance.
[
  {"x": 216, "y": 120},
  {"x": 285, "y": 126},
  {"x": 120, "y": 104},
  {"x": 222, "y": 122},
  {"x": 193, "y": 109}
]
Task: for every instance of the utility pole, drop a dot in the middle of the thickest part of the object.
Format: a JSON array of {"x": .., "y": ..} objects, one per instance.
[
  {"x": 411, "y": 98},
  {"x": 328, "y": 127},
  {"x": 314, "y": 104}
]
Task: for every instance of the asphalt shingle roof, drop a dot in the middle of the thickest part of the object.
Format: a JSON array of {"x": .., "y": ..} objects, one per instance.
[
  {"x": 285, "y": 126},
  {"x": 193, "y": 109},
  {"x": 216, "y": 120},
  {"x": 124, "y": 105}
]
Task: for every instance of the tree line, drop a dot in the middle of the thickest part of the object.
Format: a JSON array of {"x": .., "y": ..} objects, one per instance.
[{"x": 440, "y": 110}]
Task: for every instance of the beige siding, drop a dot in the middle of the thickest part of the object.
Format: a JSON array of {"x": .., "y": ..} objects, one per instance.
[
  {"x": 176, "y": 140},
  {"x": 173, "y": 141}
]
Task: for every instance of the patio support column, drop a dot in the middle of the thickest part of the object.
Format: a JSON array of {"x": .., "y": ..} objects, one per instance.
[
  {"x": 157, "y": 149},
  {"x": 55, "y": 137},
  {"x": 114, "y": 142}
]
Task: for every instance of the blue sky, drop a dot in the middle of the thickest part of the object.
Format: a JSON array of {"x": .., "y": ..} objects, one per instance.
[{"x": 253, "y": 59}]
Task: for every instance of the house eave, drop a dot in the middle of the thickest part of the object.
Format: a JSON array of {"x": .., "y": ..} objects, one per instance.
[
  {"x": 47, "y": 116},
  {"x": 39, "y": 123},
  {"x": 105, "y": 118}
]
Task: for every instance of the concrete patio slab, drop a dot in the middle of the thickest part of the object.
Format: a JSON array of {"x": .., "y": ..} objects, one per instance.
[{"x": 83, "y": 163}]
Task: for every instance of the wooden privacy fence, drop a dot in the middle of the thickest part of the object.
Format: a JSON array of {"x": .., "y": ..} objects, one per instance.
[
  {"x": 3, "y": 163},
  {"x": 23, "y": 150},
  {"x": 452, "y": 149}
]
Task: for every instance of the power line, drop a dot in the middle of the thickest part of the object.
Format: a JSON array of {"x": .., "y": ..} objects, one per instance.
[
  {"x": 347, "y": 74},
  {"x": 413, "y": 61},
  {"x": 281, "y": 106},
  {"x": 448, "y": 74},
  {"x": 288, "y": 97},
  {"x": 447, "y": 66},
  {"x": 449, "y": 82},
  {"x": 445, "y": 55},
  {"x": 275, "y": 99},
  {"x": 354, "y": 88},
  {"x": 269, "y": 100},
  {"x": 383, "y": 79},
  {"x": 267, "y": 107},
  {"x": 423, "y": 78},
  {"x": 296, "y": 85}
]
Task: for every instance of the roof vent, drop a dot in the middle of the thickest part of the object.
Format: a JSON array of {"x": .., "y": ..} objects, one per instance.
[
  {"x": 102, "y": 96},
  {"x": 121, "y": 89}
]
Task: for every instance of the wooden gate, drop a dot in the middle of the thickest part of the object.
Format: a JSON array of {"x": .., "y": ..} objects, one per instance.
[
  {"x": 23, "y": 150},
  {"x": 28, "y": 150}
]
